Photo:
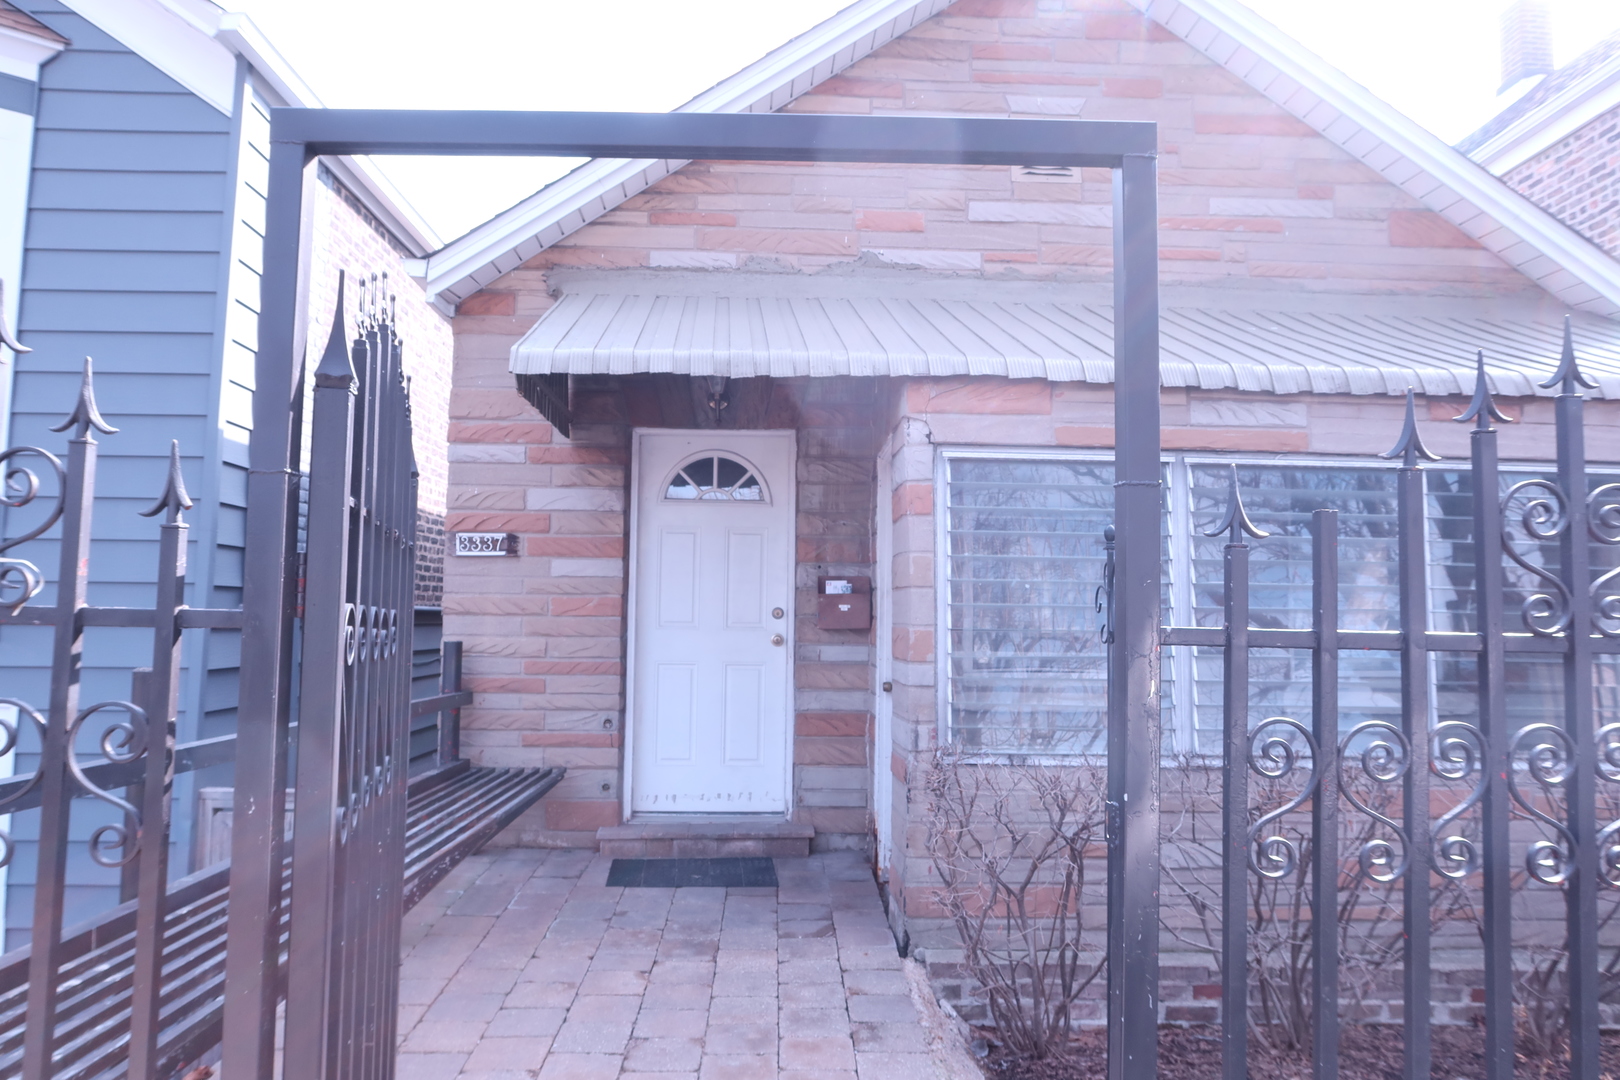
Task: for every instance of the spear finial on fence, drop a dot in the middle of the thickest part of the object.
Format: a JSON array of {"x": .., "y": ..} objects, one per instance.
[
  {"x": 1482, "y": 410},
  {"x": 335, "y": 370},
  {"x": 1568, "y": 376},
  {"x": 1409, "y": 447},
  {"x": 1237, "y": 520},
  {"x": 174, "y": 498},
  {"x": 85, "y": 415},
  {"x": 6, "y": 337}
]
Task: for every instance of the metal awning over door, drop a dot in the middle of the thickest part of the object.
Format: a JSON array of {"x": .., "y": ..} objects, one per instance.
[{"x": 743, "y": 325}]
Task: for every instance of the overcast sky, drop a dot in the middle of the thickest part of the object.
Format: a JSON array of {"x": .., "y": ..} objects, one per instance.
[{"x": 1436, "y": 60}]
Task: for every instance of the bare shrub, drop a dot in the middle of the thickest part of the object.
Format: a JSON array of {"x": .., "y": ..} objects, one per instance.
[
  {"x": 1281, "y": 952},
  {"x": 1540, "y": 965},
  {"x": 1009, "y": 843}
]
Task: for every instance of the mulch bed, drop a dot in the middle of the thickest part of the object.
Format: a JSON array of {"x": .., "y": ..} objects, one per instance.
[{"x": 1365, "y": 1053}]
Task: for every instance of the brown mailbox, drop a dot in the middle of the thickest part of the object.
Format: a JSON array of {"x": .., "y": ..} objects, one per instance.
[{"x": 844, "y": 603}]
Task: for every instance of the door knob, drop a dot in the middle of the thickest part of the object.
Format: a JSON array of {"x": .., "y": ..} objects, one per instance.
[{"x": 776, "y": 639}]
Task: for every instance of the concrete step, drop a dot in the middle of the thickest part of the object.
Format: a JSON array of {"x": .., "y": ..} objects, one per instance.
[{"x": 705, "y": 837}]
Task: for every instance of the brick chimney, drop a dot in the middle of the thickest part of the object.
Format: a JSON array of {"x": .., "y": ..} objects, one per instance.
[{"x": 1527, "y": 48}]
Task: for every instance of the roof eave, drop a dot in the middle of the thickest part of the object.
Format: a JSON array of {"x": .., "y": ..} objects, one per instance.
[
  {"x": 1550, "y": 121},
  {"x": 242, "y": 36}
]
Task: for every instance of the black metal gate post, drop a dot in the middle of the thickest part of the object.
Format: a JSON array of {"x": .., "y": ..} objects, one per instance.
[
  {"x": 1325, "y": 806},
  {"x": 160, "y": 699},
  {"x": 1497, "y": 862},
  {"x": 56, "y": 752},
  {"x": 269, "y": 595},
  {"x": 1133, "y": 658},
  {"x": 1412, "y": 578},
  {"x": 1581, "y": 889},
  {"x": 1235, "y": 791},
  {"x": 329, "y": 643}
]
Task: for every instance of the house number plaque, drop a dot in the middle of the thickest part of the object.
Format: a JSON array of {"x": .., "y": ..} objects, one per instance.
[{"x": 486, "y": 543}]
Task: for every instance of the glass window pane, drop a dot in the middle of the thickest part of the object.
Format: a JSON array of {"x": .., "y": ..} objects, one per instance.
[
  {"x": 1027, "y": 668},
  {"x": 1280, "y": 499}
]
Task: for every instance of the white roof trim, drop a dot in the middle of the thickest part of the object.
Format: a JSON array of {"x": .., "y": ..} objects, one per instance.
[
  {"x": 196, "y": 43},
  {"x": 1542, "y": 248},
  {"x": 1559, "y": 117},
  {"x": 567, "y": 205},
  {"x": 171, "y": 36},
  {"x": 21, "y": 53},
  {"x": 741, "y": 326},
  {"x": 240, "y": 34}
]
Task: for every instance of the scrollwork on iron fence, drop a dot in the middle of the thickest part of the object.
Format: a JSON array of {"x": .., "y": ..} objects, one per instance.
[
  {"x": 1544, "y": 516},
  {"x": 21, "y": 580},
  {"x": 10, "y": 738},
  {"x": 1276, "y": 756},
  {"x": 1603, "y": 524},
  {"x": 1608, "y": 837},
  {"x": 1384, "y": 760},
  {"x": 120, "y": 743},
  {"x": 1457, "y": 752},
  {"x": 1550, "y": 762}
]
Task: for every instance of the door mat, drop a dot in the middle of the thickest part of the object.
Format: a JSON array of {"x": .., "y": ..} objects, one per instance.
[{"x": 753, "y": 873}]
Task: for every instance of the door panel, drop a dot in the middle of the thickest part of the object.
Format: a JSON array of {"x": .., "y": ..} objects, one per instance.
[
  {"x": 677, "y": 579},
  {"x": 675, "y": 707},
  {"x": 710, "y": 707},
  {"x": 745, "y": 579},
  {"x": 745, "y": 713}
]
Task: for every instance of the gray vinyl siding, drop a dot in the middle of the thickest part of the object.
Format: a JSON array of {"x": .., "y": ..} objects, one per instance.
[{"x": 132, "y": 215}]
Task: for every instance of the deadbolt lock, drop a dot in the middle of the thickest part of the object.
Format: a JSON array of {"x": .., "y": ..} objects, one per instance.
[
  {"x": 776, "y": 639},
  {"x": 777, "y": 613}
]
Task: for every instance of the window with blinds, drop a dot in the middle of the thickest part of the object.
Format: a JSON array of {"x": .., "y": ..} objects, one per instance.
[
  {"x": 1026, "y": 667},
  {"x": 1281, "y": 499}
]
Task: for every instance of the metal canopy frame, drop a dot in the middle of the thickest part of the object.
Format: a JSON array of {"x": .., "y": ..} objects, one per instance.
[{"x": 298, "y": 136}]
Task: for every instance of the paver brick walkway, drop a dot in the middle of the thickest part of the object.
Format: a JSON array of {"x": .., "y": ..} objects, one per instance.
[{"x": 524, "y": 965}]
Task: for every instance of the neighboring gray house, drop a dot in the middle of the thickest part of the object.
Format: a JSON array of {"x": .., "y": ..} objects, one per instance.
[{"x": 133, "y": 143}]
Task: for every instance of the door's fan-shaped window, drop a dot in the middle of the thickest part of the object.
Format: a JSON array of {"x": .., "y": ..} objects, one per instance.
[{"x": 716, "y": 478}]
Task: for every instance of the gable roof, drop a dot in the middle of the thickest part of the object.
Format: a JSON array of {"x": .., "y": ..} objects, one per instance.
[
  {"x": 1565, "y": 264},
  {"x": 1555, "y": 108},
  {"x": 566, "y": 205},
  {"x": 1544, "y": 249}
]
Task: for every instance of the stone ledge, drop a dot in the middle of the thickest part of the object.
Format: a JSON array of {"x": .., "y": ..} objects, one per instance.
[{"x": 705, "y": 838}]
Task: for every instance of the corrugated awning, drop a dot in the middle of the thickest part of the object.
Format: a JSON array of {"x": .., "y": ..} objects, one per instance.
[{"x": 1330, "y": 348}]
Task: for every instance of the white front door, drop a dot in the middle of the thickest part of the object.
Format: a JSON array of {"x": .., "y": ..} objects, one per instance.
[{"x": 711, "y": 622}]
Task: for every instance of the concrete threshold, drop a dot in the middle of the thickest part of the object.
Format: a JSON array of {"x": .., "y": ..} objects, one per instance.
[{"x": 705, "y": 836}]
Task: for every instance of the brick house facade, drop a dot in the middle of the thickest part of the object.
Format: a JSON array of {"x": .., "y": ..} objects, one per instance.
[
  {"x": 1559, "y": 144},
  {"x": 1268, "y": 227},
  {"x": 1577, "y": 180}
]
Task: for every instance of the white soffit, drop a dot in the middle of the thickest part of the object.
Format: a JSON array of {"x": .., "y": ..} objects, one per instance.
[
  {"x": 22, "y": 52},
  {"x": 516, "y": 235},
  {"x": 1539, "y": 246},
  {"x": 738, "y": 327}
]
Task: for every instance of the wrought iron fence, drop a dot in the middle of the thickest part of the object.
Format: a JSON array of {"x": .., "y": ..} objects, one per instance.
[
  {"x": 354, "y": 718},
  {"x": 139, "y": 990},
  {"x": 1458, "y": 783}
]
